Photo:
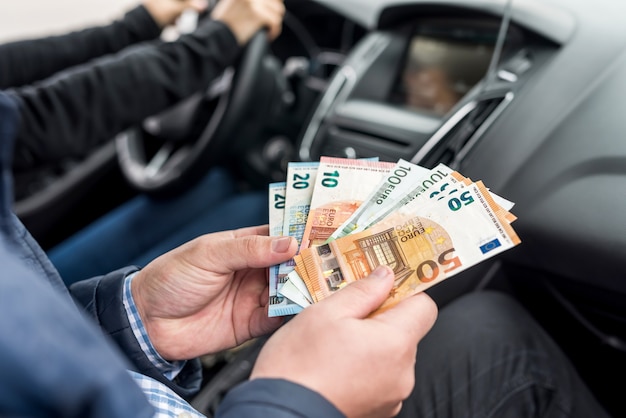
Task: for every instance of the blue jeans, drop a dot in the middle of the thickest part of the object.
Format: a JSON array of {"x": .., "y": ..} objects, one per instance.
[{"x": 144, "y": 228}]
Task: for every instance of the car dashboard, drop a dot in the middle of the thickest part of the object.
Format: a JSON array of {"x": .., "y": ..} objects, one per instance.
[{"x": 417, "y": 89}]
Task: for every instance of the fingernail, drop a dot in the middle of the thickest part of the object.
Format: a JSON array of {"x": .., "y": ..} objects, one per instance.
[
  {"x": 381, "y": 272},
  {"x": 281, "y": 245}
]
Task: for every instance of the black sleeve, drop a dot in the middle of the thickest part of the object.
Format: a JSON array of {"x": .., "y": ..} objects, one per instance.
[
  {"x": 275, "y": 398},
  {"x": 71, "y": 113},
  {"x": 24, "y": 62}
]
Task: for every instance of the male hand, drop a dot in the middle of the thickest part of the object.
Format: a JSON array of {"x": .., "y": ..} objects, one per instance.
[
  {"x": 165, "y": 12},
  {"x": 210, "y": 293},
  {"x": 362, "y": 363},
  {"x": 247, "y": 17}
]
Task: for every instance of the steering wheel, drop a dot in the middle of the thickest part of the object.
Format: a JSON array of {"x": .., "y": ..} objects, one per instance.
[{"x": 173, "y": 149}]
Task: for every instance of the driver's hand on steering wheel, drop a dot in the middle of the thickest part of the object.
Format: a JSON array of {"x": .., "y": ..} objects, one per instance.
[
  {"x": 247, "y": 17},
  {"x": 165, "y": 12}
]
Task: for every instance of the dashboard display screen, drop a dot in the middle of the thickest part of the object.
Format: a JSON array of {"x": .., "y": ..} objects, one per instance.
[{"x": 441, "y": 65}]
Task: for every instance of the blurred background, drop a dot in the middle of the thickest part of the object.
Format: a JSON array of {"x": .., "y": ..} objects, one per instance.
[{"x": 33, "y": 18}]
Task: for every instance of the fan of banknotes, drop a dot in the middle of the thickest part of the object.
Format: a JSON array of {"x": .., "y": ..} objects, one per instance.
[{"x": 351, "y": 215}]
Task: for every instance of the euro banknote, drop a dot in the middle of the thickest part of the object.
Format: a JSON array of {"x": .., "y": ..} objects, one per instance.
[{"x": 354, "y": 199}]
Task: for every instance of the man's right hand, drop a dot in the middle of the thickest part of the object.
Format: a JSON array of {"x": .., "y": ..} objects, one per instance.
[
  {"x": 247, "y": 17},
  {"x": 362, "y": 364}
]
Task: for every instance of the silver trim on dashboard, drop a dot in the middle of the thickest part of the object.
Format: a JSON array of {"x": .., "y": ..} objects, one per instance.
[
  {"x": 454, "y": 120},
  {"x": 444, "y": 130},
  {"x": 340, "y": 87},
  {"x": 506, "y": 100},
  {"x": 345, "y": 75}
]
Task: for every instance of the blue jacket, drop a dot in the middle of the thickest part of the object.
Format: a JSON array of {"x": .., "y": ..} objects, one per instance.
[{"x": 56, "y": 361}]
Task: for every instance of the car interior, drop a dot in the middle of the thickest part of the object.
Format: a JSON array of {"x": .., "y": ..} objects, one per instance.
[{"x": 525, "y": 95}]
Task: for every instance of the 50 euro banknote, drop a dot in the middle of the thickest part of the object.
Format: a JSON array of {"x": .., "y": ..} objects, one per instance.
[{"x": 424, "y": 243}]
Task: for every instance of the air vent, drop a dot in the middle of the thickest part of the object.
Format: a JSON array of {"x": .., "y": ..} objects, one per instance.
[{"x": 454, "y": 140}]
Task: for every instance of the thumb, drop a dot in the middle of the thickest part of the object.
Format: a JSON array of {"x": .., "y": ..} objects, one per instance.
[
  {"x": 415, "y": 314},
  {"x": 364, "y": 296},
  {"x": 251, "y": 251}
]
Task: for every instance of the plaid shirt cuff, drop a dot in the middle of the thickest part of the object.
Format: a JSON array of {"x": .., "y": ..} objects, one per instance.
[
  {"x": 169, "y": 369},
  {"x": 164, "y": 400}
]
